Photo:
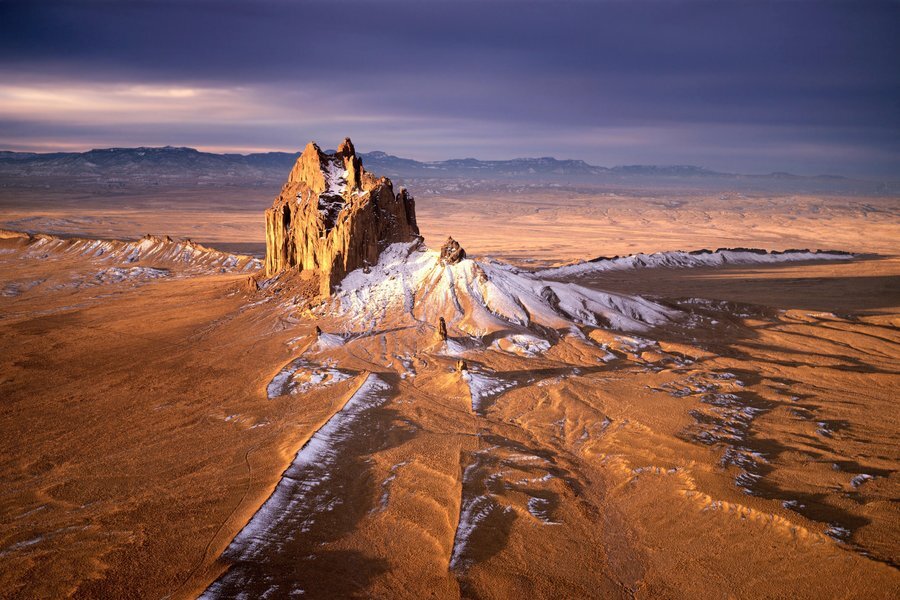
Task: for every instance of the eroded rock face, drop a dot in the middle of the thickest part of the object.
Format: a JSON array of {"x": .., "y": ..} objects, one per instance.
[
  {"x": 452, "y": 252},
  {"x": 333, "y": 217}
]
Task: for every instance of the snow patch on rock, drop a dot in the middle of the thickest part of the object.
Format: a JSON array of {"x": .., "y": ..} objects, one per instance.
[{"x": 481, "y": 297}]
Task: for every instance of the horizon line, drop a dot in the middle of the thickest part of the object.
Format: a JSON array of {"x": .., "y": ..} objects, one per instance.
[{"x": 219, "y": 150}]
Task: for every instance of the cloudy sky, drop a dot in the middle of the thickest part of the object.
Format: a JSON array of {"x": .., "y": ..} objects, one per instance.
[{"x": 807, "y": 87}]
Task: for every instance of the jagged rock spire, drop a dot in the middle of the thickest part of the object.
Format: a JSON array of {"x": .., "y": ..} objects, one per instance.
[
  {"x": 346, "y": 148},
  {"x": 332, "y": 217}
]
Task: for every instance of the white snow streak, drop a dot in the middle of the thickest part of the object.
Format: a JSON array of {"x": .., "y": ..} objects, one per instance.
[
  {"x": 307, "y": 472},
  {"x": 683, "y": 260}
]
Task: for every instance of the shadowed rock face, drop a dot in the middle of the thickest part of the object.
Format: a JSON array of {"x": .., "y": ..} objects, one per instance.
[{"x": 333, "y": 217}]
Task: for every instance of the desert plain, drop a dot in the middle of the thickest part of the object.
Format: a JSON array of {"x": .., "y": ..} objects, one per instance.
[{"x": 746, "y": 447}]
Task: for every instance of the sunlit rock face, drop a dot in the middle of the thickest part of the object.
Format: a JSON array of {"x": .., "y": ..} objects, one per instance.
[
  {"x": 333, "y": 217},
  {"x": 452, "y": 252}
]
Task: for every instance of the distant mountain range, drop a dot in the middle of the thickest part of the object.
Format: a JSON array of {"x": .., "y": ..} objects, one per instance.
[{"x": 113, "y": 167}]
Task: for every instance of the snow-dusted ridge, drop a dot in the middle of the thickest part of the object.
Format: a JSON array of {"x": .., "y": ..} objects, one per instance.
[
  {"x": 302, "y": 494},
  {"x": 480, "y": 297},
  {"x": 696, "y": 258},
  {"x": 181, "y": 254}
]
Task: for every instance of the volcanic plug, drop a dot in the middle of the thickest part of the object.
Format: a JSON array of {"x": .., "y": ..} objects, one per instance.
[{"x": 332, "y": 216}]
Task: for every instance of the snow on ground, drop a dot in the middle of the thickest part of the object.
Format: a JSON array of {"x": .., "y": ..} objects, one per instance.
[
  {"x": 22, "y": 544},
  {"x": 328, "y": 341},
  {"x": 480, "y": 297},
  {"x": 386, "y": 485},
  {"x": 454, "y": 348},
  {"x": 725, "y": 419},
  {"x": 522, "y": 345},
  {"x": 609, "y": 355},
  {"x": 682, "y": 260},
  {"x": 14, "y": 288},
  {"x": 635, "y": 344},
  {"x": 120, "y": 274},
  {"x": 540, "y": 509},
  {"x": 149, "y": 248},
  {"x": 493, "y": 472},
  {"x": 860, "y": 479},
  {"x": 483, "y": 387},
  {"x": 408, "y": 366},
  {"x": 299, "y": 494},
  {"x": 838, "y": 533},
  {"x": 320, "y": 448},
  {"x": 331, "y": 201},
  {"x": 474, "y": 509},
  {"x": 301, "y": 498},
  {"x": 301, "y": 375}
]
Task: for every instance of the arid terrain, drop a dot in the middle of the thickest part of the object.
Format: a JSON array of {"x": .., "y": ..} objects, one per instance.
[
  {"x": 544, "y": 227},
  {"x": 733, "y": 434},
  {"x": 600, "y": 301}
]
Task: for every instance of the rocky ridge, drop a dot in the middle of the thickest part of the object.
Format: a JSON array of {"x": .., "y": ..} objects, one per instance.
[
  {"x": 332, "y": 217},
  {"x": 183, "y": 255}
]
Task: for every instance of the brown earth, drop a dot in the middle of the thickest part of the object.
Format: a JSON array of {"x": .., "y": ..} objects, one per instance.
[
  {"x": 138, "y": 437},
  {"x": 541, "y": 227}
]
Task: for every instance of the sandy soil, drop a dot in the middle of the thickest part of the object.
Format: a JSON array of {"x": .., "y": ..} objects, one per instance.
[
  {"x": 724, "y": 455},
  {"x": 539, "y": 227}
]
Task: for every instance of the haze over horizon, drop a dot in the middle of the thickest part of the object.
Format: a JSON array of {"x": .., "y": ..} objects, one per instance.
[{"x": 734, "y": 87}]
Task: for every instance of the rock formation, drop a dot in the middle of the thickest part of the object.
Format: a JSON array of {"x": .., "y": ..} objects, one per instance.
[
  {"x": 333, "y": 217},
  {"x": 452, "y": 252}
]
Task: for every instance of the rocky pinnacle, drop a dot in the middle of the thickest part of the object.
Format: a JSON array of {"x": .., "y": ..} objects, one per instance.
[{"x": 332, "y": 217}]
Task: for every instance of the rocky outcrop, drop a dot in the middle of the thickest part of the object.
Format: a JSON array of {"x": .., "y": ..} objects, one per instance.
[
  {"x": 452, "y": 252},
  {"x": 332, "y": 217}
]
